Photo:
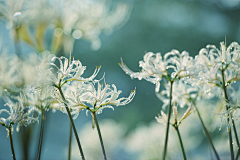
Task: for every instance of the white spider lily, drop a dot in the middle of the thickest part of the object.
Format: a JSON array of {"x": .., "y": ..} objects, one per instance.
[
  {"x": 214, "y": 61},
  {"x": 107, "y": 95},
  {"x": 182, "y": 64},
  {"x": 187, "y": 113},
  {"x": 18, "y": 114},
  {"x": 40, "y": 98},
  {"x": 9, "y": 76},
  {"x": 84, "y": 95},
  {"x": 154, "y": 67},
  {"x": 163, "y": 119},
  {"x": 175, "y": 113},
  {"x": 182, "y": 94},
  {"x": 73, "y": 19},
  {"x": 226, "y": 55},
  {"x": 69, "y": 70}
]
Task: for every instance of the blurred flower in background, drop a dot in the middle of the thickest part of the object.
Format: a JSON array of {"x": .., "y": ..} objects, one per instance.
[
  {"x": 113, "y": 134},
  {"x": 31, "y": 20}
]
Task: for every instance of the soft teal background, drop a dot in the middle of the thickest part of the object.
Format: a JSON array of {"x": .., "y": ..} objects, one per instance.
[{"x": 157, "y": 26}]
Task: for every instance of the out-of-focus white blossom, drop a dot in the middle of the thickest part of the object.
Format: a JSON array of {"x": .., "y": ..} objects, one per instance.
[
  {"x": 69, "y": 20},
  {"x": 40, "y": 98},
  {"x": 163, "y": 119},
  {"x": 146, "y": 141},
  {"x": 18, "y": 114},
  {"x": 10, "y": 10},
  {"x": 113, "y": 136},
  {"x": 16, "y": 73},
  {"x": 9, "y": 76},
  {"x": 173, "y": 66},
  {"x": 182, "y": 94}
]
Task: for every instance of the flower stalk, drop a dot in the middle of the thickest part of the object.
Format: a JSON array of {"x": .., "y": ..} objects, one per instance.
[
  {"x": 72, "y": 123},
  {"x": 180, "y": 140},
  {"x": 16, "y": 43},
  {"x": 229, "y": 115},
  {"x": 11, "y": 142},
  {"x": 99, "y": 134},
  {"x": 41, "y": 135},
  {"x": 9, "y": 128},
  {"x": 169, "y": 116},
  {"x": 70, "y": 142},
  {"x": 206, "y": 132}
]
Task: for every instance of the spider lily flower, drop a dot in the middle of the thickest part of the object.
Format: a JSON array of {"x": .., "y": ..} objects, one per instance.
[
  {"x": 69, "y": 70},
  {"x": 71, "y": 20},
  {"x": 186, "y": 114},
  {"x": 18, "y": 114},
  {"x": 40, "y": 98},
  {"x": 9, "y": 76},
  {"x": 163, "y": 117},
  {"x": 224, "y": 56},
  {"x": 172, "y": 66},
  {"x": 10, "y": 10},
  {"x": 93, "y": 97},
  {"x": 217, "y": 63},
  {"x": 182, "y": 94}
]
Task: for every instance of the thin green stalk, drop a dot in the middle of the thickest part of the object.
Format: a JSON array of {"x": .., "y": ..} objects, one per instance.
[
  {"x": 40, "y": 136},
  {"x": 73, "y": 126},
  {"x": 16, "y": 43},
  {"x": 205, "y": 129},
  {"x": 169, "y": 115},
  {"x": 181, "y": 143},
  {"x": 238, "y": 152},
  {"x": 99, "y": 134},
  {"x": 235, "y": 132},
  {"x": 11, "y": 142},
  {"x": 229, "y": 116},
  {"x": 70, "y": 143}
]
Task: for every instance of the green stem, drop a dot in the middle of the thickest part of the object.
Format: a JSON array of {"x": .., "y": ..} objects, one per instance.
[
  {"x": 229, "y": 116},
  {"x": 41, "y": 136},
  {"x": 99, "y": 134},
  {"x": 11, "y": 142},
  {"x": 16, "y": 43},
  {"x": 70, "y": 143},
  {"x": 169, "y": 115},
  {"x": 235, "y": 132},
  {"x": 72, "y": 123},
  {"x": 205, "y": 129},
  {"x": 181, "y": 143}
]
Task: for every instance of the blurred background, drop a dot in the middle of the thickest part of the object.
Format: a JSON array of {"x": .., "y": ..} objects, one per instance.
[{"x": 126, "y": 29}]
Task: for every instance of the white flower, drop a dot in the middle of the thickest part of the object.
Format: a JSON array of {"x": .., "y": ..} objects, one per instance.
[
  {"x": 163, "y": 119},
  {"x": 9, "y": 9},
  {"x": 69, "y": 70},
  {"x": 217, "y": 63},
  {"x": 226, "y": 55},
  {"x": 182, "y": 94},
  {"x": 9, "y": 76},
  {"x": 18, "y": 113},
  {"x": 40, "y": 98},
  {"x": 154, "y": 67},
  {"x": 70, "y": 20},
  {"x": 93, "y": 97}
]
